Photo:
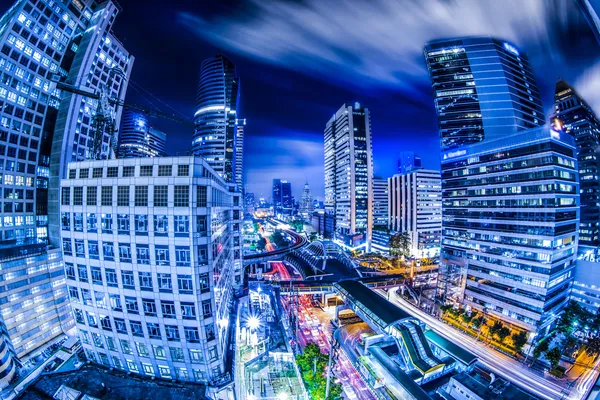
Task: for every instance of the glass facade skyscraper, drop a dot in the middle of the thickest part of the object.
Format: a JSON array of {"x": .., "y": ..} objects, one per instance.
[
  {"x": 484, "y": 89},
  {"x": 137, "y": 138},
  {"x": 574, "y": 116},
  {"x": 217, "y": 103},
  {"x": 349, "y": 172}
]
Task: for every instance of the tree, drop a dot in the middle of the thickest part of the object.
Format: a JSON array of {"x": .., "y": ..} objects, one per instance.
[
  {"x": 476, "y": 323},
  {"x": 519, "y": 340},
  {"x": 494, "y": 329},
  {"x": 540, "y": 348},
  {"x": 503, "y": 333},
  {"x": 554, "y": 356},
  {"x": 593, "y": 346},
  {"x": 261, "y": 244},
  {"x": 400, "y": 245},
  {"x": 278, "y": 238},
  {"x": 467, "y": 317}
]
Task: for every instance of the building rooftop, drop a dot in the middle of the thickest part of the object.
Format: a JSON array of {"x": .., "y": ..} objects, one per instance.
[
  {"x": 500, "y": 389},
  {"x": 97, "y": 382},
  {"x": 457, "y": 352},
  {"x": 382, "y": 311}
]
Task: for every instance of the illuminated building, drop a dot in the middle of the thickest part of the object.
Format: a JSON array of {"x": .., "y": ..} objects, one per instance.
[
  {"x": 240, "y": 127},
  {"x": 576, "y": 117},
  {"x": 380, "y": 202},
  {"x": 150, "y": 259},
  {"x": 349, "y": 173},
  {"x": 415, "y": 207},
  {"x": 217, "y": 102},
  {"x": 42, "y": 130},
  {"x": 510, "y": 194},
  {"x": 306, "y": 202},
  {"x": 282, "y": 197},
  {"x": 138, "y": 139},
  {"x": 408, "y": 161}
]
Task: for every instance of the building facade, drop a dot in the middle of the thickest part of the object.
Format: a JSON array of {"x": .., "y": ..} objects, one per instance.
[
  {"x": 41, "y": 130},
  {"x": 484, "y": 89},
  {"x": 380, "y": 202},
  {"x": 240, "y": 127},
  {"x": 323, "y": 224},
  {"x": 137, "y": 138},
  {"x": 415, "y": 206},
  {"x": 510, "y": 224},
  {"x": 282, "y": 197},
  {"x": 349, "y": 173},
  {"x": 576, "y": 117},
  {"x": 306, "y": 202},
  {"x": 217, "y": 102},
  {"x": 408, "y": 161},
  {"x": 150, "y": 258}
]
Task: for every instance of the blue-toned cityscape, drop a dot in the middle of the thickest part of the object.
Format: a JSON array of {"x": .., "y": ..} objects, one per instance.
[{"x": 300, "y": 200}]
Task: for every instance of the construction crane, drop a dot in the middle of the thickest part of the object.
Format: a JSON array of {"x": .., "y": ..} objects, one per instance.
[{"x": 103, "y": 122}]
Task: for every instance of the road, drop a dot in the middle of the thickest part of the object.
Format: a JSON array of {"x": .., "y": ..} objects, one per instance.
[{"x": 497, "y": 362}]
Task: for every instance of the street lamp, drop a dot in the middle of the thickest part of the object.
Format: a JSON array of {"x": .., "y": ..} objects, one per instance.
[{"x": 253, "y": 323}]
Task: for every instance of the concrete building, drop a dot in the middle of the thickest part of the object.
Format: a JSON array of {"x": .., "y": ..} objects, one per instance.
[
  {"x": 282, "y": 197},
  {"x": 323, "y": 224},
  {"x": 240, "y": 127},
  {"x": 137, "y": 138},
  {"x": 41, "y": 131},
  {"x": 380, "y": 202},
  {"x": 415, "y": 206},
  {"x": 306, "y": 202},
  {"x": 152, "y": 253},
  {"x": 349, "y": 174}
]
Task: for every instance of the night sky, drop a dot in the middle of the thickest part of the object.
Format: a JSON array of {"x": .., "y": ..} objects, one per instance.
[{"x": 300, "y": 61}]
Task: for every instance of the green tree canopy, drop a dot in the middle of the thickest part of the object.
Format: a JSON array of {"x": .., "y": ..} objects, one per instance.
[
  {"x": 553, "y": 356},
  {"x": 400, "y": 245},
  {"x": 519, "y": 340}
]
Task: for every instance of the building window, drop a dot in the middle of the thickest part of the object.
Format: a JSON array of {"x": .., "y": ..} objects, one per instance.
[
  {"x": 153, "y": 331},
  {"x": 70, "y": 271},
  {"x": 168, "y": 309},
  {"x": 65, "y": 197},
  {"x": 145, "y": 279},
  {"x": 97, "y": 173},
  {"x": 192, "y": 336},
  {"x": 92, "y": 195},
  {"x": 206, "y": 308},
  {"x": 136, "y": 329},
  {"x": 123, "y": 196},
  {"x": 141, "y": 196},
  {"x": 162, "y": 255},
  {"x": 183, "y": 170},
  {"x": 131, "y": 305},
  {"x": 165, "y": 283},
  {"x": 149, "y": 307},
  {"x": 182, "y": 196},
  {"x": 120, "y": 325},
  {"x": 123, "y": 224},
  {"x": 142, "y": 254},
  {"x": 128, "y": 172},
  {"x": 142, "y": 348},
  {"x": 78, "y": 222},
  {"x": 202, "y": 198},
  {"x": 201, "y": 226},
  {"x": 106, "y": 194},
  {"x": 161, "y": 225},
  {"x": 115, "y": 305},
  {"x": 82, "y": 272},
  {"x": 111, "y": 277},
  {"x": 125, "y": 252},
  {"x": 107, "y": 223},
  {"x": 78, "y": 196},
  {"x": 112, "y": 172},
  {"x": 67, "y": 247},
  {"x": 161, "y": 196},
  {"x": 127, "y": 279},
  {"x": 182, "y": 256},
  {"x": 79, "y": 248},
  {"x": 188, "y": 311},
  {"x": 182, "y": 225},
  {"x": 93, "y": 250},
  {"x": 172, "y": 333},
  {"x": 84, "y": 173},
  {"x": 92, "y": 223},
  {"x": 176, "y": 353},
  {"x": 210, "y": 332},
  {"x": 204, "y": 283},
  {"x": 108, "y": 251},
  {"x": 71, "y": 171},
  {"x": 141, "y": 225},
  {"x": 184, "y": 283},
  {"x": 146, "y": 170},
  {"x": 159, "y": 352},
  {"x": 165, "y": 170},
  {"x": 65, "y": 221}
]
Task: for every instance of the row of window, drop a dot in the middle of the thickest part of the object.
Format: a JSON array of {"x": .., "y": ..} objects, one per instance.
[
  {"x": 180, "y": 196},
  {"x": 127, "y": 171}
]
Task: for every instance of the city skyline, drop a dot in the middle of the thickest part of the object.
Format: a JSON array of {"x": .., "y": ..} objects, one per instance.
[{"x": 277, "y": 125}]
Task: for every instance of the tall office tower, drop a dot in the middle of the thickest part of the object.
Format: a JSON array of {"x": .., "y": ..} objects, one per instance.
[
  {"x": 415, "y": 206},
  {"x": 499, "y": 180},
  {"x": 149, "y": 260},
  {"x": 276, "y": 196},
  {"x": 484, "y": 89},
  {"x": 249, "y": 203},
  {"x": 240, "y": 127},
  {"x": 287, "y": 200},
  {"x": 42, "y": 128},
  {"x": 217, "y": 101},
  {"x": 306, "y": 202},
  {"x": 349, "y": 172},
  {"x": 577, "y": 118},
  {"x": 137, "y": 138},
  {"x": 380, "y": 202},
  {"x": 408, "y": 161}
]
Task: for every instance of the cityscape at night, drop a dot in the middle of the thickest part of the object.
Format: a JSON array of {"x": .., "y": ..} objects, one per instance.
[{"x": 300, "y": 199}]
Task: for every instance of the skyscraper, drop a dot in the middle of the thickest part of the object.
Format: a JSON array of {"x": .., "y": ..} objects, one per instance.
[
  {"x": 240, "y": 127},
  {"x": 484, "y": 89},
  {"x": 349, "y": 173},
  {"x": 509, "y": 190},
  {"x": 137, "y": 138},
  {"x": 282, "y": 197},
  {"x": 306, "y": 202},
  {"x": 380, "y": 202},
  {"x": 42, "y": 130},
  {"x": 217, "y": 102},
  {"x": 415, "y": 207},
  {"x": 150, "y": 264},
  {"x": 577, "y": 118},
  {"x": 408, "y": 161},
  {"x": 276, "y": 196}
]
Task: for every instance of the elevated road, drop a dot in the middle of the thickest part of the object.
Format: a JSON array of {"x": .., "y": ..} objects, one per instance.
[{"x": 277, "y": 254}]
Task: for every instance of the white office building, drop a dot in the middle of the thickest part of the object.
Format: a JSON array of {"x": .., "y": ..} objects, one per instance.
[
  {"x": 349, "y": 174},
  {"x": 150, "y": 249},
  {"x": 415, "y": 206},
  {"x": 380, "y": 202}
]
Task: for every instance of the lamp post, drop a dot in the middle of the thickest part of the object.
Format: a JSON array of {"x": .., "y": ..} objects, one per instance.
[{"x": 529, "y": 350}]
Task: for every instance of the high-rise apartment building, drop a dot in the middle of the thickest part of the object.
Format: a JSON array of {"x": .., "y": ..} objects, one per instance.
[
  {"x": 306, "y": 202},
  {"x": 408, "y": 161},
  {"x": 137, "y": 138},
  {"x": 415, "y": 207},
  {"x": 484, "y": 89},
  {"x": 380, "y": 202},
  {"x": 509, "y": 192},
  {"x": 349, "y": 172},
  {"x": 217, "y": 103},
  {"x": 240, "y": 127},
  {"x": 150, "y": 251},
  {"x": 573, "y": 115},
  {"x": 41, "y": 130}
]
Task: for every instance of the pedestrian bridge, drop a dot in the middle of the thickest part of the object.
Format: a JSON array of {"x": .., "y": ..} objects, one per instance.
[{"x": 322, "y": 258}]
